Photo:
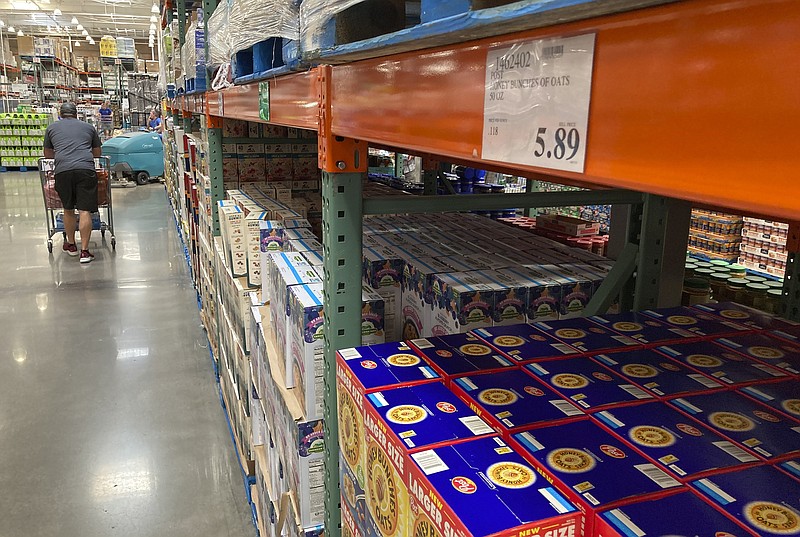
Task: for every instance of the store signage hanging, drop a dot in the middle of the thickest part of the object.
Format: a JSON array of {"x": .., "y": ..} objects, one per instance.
[
  {"x": 263, "y": 100},
  {"x": 536, "y": 105}
]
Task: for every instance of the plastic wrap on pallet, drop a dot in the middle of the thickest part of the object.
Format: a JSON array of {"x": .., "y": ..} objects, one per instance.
[
  {"x": 314, "y": 15},
  {"x": 372, "y": 18},
  {"x": 253, "y": 21},
  {"x": 220, "y": 43}
]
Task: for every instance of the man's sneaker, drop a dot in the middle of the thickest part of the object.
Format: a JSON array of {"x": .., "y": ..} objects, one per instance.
[
  {"x": 86, "y": 257},
  {"x": 71, "y": 249}
]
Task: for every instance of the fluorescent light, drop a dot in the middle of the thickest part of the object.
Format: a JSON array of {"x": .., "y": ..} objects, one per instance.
[
  {"x": 152, "y": 26},
  {"x": 24, "y": 5},
  {"x": 56, "y": 12},
  {"x": 80, "y": 27},
  {"x": 154, "y": 9},
  {"x": 2, "y": 24},
  {"x": 74, "y": 20},
  {"x": 84, "y": 32},
  {"x": 77, "y": 43},
  {"x": 89, "y": 39},
  {"x": 153, "y": 18},
  {"x": 20, "y": 33},
  {"x": 11, "y": 29}
]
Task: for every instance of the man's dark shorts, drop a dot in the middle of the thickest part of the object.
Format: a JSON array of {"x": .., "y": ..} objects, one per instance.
[{"x": 78, "y": 189}]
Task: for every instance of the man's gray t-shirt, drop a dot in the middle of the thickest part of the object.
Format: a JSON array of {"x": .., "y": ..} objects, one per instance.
[{"x": 72, "y": 141}]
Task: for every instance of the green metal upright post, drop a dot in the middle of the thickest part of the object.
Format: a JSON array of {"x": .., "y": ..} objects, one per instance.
[
  {"x": 214, "y": 136},
  {"x": 208, "y": 9},
  {"x": 531, "y": 185},
  {"x": 181, "y": 6}
]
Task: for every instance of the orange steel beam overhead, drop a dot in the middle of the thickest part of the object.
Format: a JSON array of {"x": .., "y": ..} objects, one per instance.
[
  {"x": 293, "y": 101},
  {"x": 696, "y": 100}
]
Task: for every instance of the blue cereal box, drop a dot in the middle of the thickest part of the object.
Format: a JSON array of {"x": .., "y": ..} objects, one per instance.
[
  {"x": 587, "y": 383},
  {"x": 460, "y": 354},
  {"x": 593, "y": 468},
  {"x": 767, "y": 349},
  {"x": 399, "y": 422},
  {"x": 739, "y": 314},
  {"x": 678, "y": 515},
  {"x": 676, "y": 443},
  {"x": 483, "y": 488},
  {"x": 587, "y": 336},
  {"x": 353, "y": 501},
  {"x": 781, "y": 396},
  {"x": 721, "y": 363},
  {"x": 746, "y": 422},
  {"x": 363, "y": 370},
  {"x": 696, "y": 321},
  {"x": 643, "y": 328},
  {"x": 522, "y": 343},
  {"x": 762, "y": 499},
  {"x": 510, "y": 400},
  {"x": 658, "y": 374}
]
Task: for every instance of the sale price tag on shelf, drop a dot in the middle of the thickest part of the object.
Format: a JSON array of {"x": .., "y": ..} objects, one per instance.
[{"x": 536, "y": 105}]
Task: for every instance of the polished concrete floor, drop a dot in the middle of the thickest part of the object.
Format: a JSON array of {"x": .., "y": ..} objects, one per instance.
[{"x": 110, "y": 422}]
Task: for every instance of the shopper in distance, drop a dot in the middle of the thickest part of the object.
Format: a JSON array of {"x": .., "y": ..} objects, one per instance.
[
  {"x": 154, "y": 123},
  {"x": 106, "y": 119},
  {"x": 74, "y": 144}
]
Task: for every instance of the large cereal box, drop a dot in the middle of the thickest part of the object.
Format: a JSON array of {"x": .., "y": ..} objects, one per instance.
[
  {"x": 460, "y": 354},
  {"x": 587, "y": 383},
  {"x": 677, "y": 444},
  {"x": 363, "y": 370},
  {"x": 417, "y": 296},
  {"x": 740, "y": 314},
  {"x": 701, "y": 323},
  {"x": 352, "y": 498},
  {"x": 781, "y": 396},
  {"x": 543, "y": 295},
  {"x": 383, "y": 271},
  {"x": 483, "y": 488},
  {"x": 587, "y": 336},
  {"x": 657, "y": 374},
  {"x": 722, "y": 363},
  {"x": 399, "y": 422},
  {"x": 676, "y": 515},
  {"x": 746, "y": 422},
  {"x": 643, "y": 328},
  {"x": 513, "y": 400},
  {"x": 522, "y": 343},
  {"x": 766, "y": 349},
  {"x": 763, "y": 499},
  {"x": 593, "y": 468},
  {"x": 304, "y": 335},
  {"x": 460, "y": 302}
]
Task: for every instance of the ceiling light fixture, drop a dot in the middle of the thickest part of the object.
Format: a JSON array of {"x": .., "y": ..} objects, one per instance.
[
  {"x": 154, "y": 9},
  {"x": 80, "y": 27},
  {"x": 74, "y": 20},
  {"x": 24, "y": 5},
  {"x": 88, "y": 39},
  {"x": 152, "y": 32},
  {"x": 2, "y": 24},
  {"x": 56, "y": 12},
  {"x": 77, "y": 43},
  {"x": 153, "y": 18},
  {"x": 20, "y": 33},
  {"x": 84, "y": 32},
  {"x": 152, "y": 26},
  {"x": 11, "y": 29}
]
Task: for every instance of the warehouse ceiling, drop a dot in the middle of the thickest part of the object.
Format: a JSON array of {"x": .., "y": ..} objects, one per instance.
[{"x": 118, "y": 18}]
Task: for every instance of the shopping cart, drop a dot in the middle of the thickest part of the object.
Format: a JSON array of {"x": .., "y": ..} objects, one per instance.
[{"x": 52, "y": 202}]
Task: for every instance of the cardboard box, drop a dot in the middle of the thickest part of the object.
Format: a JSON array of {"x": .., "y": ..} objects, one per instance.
[
  {"x": 594, "y": 469},
  {"x": 768, "y": 350},
  {"x": 513, "y": 400},
  {"x": 664, "y": 435},
  {"x": 417, "y": 296},
  {"x": 400, "y": 422},
  {"x": 687, "y": 515},
  {"x": 567, "y": 225},
  {"x": 643, "y": 328},
  {"x": 305, "y": 345},
  {"x": 762, "y": 499},
  {"x": 460, "y": 302},
  {"x": 372, "y": 317},
  {"x": 781, "y": 396},
  {"x": 459, "y": 354},
  {"x": 746, "y": 422},
  {"x": 523, "y": 343},
  {"x": 701, "y": 323},
  {"x": 482, "y": 487},
  {"x": 721, "y": 363},
  {"x": 587, "y": 383},
  {"x": 587, "y": 336},
  {"x": 543, "y": 298},
  {"x": 383, "y": 271},
  {"x": 747, "y": 316}
]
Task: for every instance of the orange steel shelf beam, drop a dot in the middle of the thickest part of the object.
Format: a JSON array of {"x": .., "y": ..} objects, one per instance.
[
  {"x": 695, "y": 100},
  {"x": 293, "y": 101}
]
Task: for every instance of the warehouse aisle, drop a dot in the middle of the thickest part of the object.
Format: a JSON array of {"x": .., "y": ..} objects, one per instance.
[{"x": 110, "y": 422}]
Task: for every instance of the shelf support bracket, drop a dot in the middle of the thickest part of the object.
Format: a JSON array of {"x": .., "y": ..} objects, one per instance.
[
  {"x": 791, "y": 281},
  {"x": 215, "y": 167},
  {"x": 343, "y": 162},
  {"x": 430, "y": 173},
  {"x": 614, "y": 282}
]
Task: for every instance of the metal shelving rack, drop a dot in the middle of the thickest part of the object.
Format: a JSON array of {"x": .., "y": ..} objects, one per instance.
[{"x": 671, "y": 124}]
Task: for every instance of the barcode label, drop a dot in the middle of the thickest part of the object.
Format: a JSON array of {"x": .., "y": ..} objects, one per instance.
[
  {"x": 658, "y": 476},
  {"x": 476, "y": 425},
  {"x": 508, "y": 423},
  {"x": 769, "y": 370},
  {"x": 763, "y": 451},
  {"x": 566, "y": 408},
  {"x": 636, "y": 391},
  {"x": 349, "y": 354},
  {"x": 677, "y": 469},
  {"x": 735, "y": 451},
  {"x": 422, "y": 343},
  {"x": 556, "y": 51},
  {"x": 409, "y": 442},
  {"x": 564, "y": 349},
  {"x": 591, "y": 499},
  {"x": 705, "y": 381},
  {"x": 429, "y": 462}
]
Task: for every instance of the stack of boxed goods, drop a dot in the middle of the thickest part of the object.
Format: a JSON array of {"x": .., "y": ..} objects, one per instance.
[
  {"x": 257, "y": 30},
  {"x": 93, "y": 64},
  {"x": 22, "y": 138},
  {"x": 193, "y": 54},
  {"x": 126, "y": 48},
  {"x": 764, "y": 246},
  {"x": 108, "y": 47},
  {"x": 715, "y": 235},
  {"x": 593, "y": 213},
  {"x": 581, "y": 427},
  {"x": 151, "y": 67}
]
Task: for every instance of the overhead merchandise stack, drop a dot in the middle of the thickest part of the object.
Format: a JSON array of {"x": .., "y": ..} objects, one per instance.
[
  {"x": 22, "y": 139},
  {"x": 501, "y": 398},
  {"x": 193, "y": 56},
  {"x": 764, "y": 246}
]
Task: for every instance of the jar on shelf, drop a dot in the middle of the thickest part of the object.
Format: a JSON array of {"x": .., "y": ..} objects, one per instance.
[
  {"x": 775, "y": 301},
  {"x": 704, "y": 273},
  {"x": 756, "y": 295},
  {"x": 737, "y": 271},
  {"x": 688, "y": 270},
  {"x": 752, "y": 278},
  {"x": 735, "y": 290},
  {"x": 718, "y": 282},
  {"x": 719, "y": 263},
  {"x": 695, "y": 291},
  {"x": 774, "y": 284},
  {"x": 703, "y": 264}
]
